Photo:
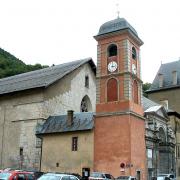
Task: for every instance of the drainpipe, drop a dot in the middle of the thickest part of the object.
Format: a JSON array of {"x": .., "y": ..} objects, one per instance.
[
  {"x": 175, "y": 131},
  {"x": 41, "y": 153},
  {"x": 2, "y": 142}
]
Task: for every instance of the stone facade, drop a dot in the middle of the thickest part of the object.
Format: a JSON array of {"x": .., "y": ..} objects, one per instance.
[
  {"x": 165, "y": 90},
  {"x": 22, "y": 111},
  {"x": 160, "y": 142}
]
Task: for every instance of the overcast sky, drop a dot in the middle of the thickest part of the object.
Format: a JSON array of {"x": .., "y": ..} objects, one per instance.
[{"x": 57, "y": 31}]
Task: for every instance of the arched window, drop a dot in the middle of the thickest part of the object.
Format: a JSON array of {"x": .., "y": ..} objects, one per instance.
[
  {"x": 112, "y": 90},
  {"x": 112, "y": 50},
  {"x": 134, "y": 55},
  {"x": 135, "y": 92},
  {"x": 86, "y": 104}
]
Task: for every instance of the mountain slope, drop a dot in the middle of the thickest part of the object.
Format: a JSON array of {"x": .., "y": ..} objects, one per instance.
[{"x": 10, "y": 65}]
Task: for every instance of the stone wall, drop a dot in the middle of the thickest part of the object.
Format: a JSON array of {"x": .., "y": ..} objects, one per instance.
[{"x": 19, "y": 115}]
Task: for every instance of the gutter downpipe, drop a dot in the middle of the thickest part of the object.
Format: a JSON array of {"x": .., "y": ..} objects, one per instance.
[{"x": 2, "y": 145}]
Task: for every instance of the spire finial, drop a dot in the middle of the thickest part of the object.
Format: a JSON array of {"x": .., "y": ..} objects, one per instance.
[{"x": 117, "y": 5}]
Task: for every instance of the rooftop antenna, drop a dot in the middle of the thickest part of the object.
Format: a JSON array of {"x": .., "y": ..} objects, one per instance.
[{"x": 117, "y": 5}]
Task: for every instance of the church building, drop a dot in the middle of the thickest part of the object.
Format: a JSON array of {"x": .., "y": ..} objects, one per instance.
[{"x": 79, "y": 118}]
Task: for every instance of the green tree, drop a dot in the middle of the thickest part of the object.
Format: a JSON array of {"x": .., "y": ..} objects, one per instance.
[
  {"x": 145, "y": 87},
  {"x": 10, "y": 65}
]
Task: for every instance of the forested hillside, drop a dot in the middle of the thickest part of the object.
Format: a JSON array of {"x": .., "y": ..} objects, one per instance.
[{"x": 10, "y": 65}]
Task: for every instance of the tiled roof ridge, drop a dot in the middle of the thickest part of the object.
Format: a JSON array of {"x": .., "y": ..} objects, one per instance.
[
  {"x": 42, "y": 70},
  {"x": 172, "y": 62},
  {"x": 41, "y": 78},
  {"x": 166, "y": 70}
]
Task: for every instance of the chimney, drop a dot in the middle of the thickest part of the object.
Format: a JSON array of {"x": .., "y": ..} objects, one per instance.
[{"x": 70, "y": 117}]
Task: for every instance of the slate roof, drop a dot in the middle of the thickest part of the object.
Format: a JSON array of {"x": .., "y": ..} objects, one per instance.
[
  {"x": 58, "y": 124},
  {"x": 40, "y": 78},
  {"x": 147, "y": 103},
  {"x": 166, "y": 70},
  {"x": 153, "y": 108},
  {"x": 83, "y": 121},
  {"x": 116, "y": 25}
]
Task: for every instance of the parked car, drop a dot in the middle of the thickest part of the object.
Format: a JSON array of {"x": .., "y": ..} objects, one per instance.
[
  {"x": 57, "y": 176},
  {"x": 36, "y": 174},
  {"x": 166, "y": 177},
  {"x": 75, "y": 174},
  {"x": 126, "y": 178},
  {"x": 16, "y": 175},
  {"x": 100, "y": 176},
  {"x": 163, "y": 178}
]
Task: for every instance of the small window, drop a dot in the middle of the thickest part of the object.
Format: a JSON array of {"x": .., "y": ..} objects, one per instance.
[
  {"x": 87, "y": 81},
  {"x": 38, "y": 142},
  {"x": 160, "y": 80},
  {"x": 21, "y": 151},
  {"x": 178, "y": 151},
  {"x": 164, "y": 103},
  {"x": 134, "y": 55},
  {"x": 138, "y": 175},
  {"x": 149, "y": 153},
  {"x": 162, "y": 135},
  {"x": 74, "y": 143},
  {"x": 174, "y": 77},
  {"x": 112, "y": 50},
  {"x": 57, "y": 164}
]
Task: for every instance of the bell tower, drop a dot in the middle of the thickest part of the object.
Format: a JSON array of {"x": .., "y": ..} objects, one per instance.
[{"x": 119, "y": 125}]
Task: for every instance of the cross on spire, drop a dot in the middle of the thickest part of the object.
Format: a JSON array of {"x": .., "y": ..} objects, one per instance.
[{"x": 117, "y": 5}]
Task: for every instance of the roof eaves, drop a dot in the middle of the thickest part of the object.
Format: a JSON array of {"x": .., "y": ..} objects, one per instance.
[
  {"x": 19, "y": 90},
  {"x": 68, "y": 72},
  {"x": 161, "y": 89},
  {"x": 66, "y": 131},
  {"x": 135, "y": 36},
  {"x": 174, "y": 113}
]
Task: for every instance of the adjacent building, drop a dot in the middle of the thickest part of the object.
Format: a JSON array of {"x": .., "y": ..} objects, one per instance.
[
  {"x": 160, "y": 139},
  {"x": 165, "y": 90}
]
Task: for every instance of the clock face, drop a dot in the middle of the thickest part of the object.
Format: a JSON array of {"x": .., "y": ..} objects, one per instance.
[
  {"x": 134, "y": 71},
  {"x": 112, "y": 66}
]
